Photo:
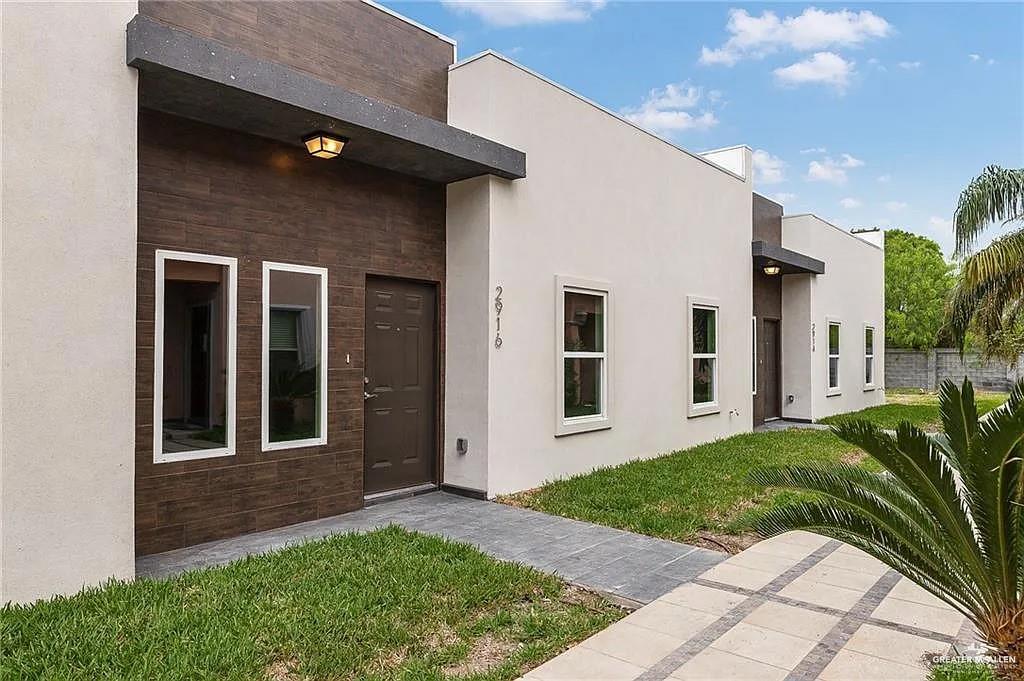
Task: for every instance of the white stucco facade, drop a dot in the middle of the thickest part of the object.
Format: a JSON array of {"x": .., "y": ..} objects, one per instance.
[
  {"x": 67, "y": 299},
  {"x": 851, "y": 292},
  {"x": 602, "y": 202}
]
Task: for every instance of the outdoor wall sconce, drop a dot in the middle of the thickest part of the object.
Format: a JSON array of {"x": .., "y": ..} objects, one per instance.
[
  {"x": 322, "y": 145},
  {"x": 771, "y": 269}
]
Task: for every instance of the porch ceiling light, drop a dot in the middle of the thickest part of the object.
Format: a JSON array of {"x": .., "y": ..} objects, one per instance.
[
  {"x": 322, "y": 145},
  {"x": 771, "y": 269}
]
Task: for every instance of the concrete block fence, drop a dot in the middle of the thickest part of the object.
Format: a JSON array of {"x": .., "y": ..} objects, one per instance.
[{"x": 926, "y": 369}]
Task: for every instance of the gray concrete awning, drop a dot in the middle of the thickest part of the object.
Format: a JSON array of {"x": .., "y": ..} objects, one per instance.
[
  {"x": 789, "y": 262},
  {"x": 193, "y": 77}
]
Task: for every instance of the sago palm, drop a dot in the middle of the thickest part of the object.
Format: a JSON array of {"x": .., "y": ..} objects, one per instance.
[
  {"x": 946, "y": 512},
  {"x": 990, "y": 294}
]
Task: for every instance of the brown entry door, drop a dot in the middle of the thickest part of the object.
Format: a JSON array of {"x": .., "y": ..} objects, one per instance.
[
  {"x": 400, "y": 398},
  {"x": 770, "y": 369}
]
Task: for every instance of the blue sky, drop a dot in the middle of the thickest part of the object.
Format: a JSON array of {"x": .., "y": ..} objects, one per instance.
[{"x": 865, "y": 114}]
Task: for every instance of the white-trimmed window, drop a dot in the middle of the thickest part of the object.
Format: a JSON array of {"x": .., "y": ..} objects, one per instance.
[
  {"x": 583, "y": 314},
  {"x": 194, "y": 356},
  {"x": 753, "y": 355},
  {"x": 294, "y": 356},
  {"x": 869, "y": 357},
  {"x": 703, "y": 352},
  {"x": 834, "y": 327}
]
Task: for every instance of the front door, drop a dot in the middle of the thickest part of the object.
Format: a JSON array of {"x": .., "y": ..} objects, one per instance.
[
  {"x": 400, "y": 385},
  {"x": 770, "y": 368}
]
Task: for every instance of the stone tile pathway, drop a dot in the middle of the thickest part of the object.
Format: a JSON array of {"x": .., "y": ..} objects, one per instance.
[
  {"x": 796, "y": 607},
  {"x": 632, "y": 566},
  {"x": 782, "y": 424}
]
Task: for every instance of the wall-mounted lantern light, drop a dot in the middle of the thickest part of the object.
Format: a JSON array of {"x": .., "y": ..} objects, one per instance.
[
  {"x": 322, "y": 145},
  {"x": 771, "y": 269}
]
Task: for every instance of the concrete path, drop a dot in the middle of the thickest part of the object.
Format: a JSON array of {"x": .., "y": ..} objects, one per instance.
[
  {"x": 796, "y": 607},
  {"x": 782, "y": 424},
  {"x": 632, "y": 566}
]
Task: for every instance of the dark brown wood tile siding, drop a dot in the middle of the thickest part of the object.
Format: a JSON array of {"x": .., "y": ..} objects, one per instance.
[
  {"x": 767, "y": 293},
  {"x": 208, "y": 190},
  {"x": 348, "y": 43}
]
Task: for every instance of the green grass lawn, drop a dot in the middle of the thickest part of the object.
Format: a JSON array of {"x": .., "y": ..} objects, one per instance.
[
  {"x": 921, "y": 409},
  {"x": 388, "y": 604},
  {"x": 698, "y": 496}
]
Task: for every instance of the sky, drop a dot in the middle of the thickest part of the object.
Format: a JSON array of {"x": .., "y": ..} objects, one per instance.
[{"x": 868, "y": 115}]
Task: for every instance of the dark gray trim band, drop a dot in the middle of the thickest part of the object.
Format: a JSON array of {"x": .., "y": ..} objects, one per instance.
[
  {"x": 791, "y": 262},
  {"x": 201, "y": 79}
]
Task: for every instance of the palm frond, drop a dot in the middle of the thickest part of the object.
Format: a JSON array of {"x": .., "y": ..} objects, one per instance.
[
  {"x": 1003, "y": 255},
  {"x": 997, "y": 195}
]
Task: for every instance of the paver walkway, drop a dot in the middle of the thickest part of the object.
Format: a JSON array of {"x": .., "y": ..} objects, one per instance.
[
  {"x": 632, "y": 566},
  {"x": 795, "y": 607}
]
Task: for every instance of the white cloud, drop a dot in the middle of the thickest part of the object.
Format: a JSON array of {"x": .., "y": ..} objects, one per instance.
[
  {"x": 813, "y": 29},
  {"x": 850, "y": 202},
  {"x": 978, "y": 57},
  {"x": 826, "y": 68},
  {"x": 814, "y": 150},
  {"x": 826, "y": 170},
  {"x": 884, "y": 179},
  {"x": 768, "y": 169},
  {"x": 895, "y": 206},
  {"x": 519, "y": 13},
  {"x": 663, "y": 110},
  {"x": 938, "y": 223},
  {"x": 910, "y": 65},
  {"x": 783, "y": 197},
  {"x": 974, "y": 57},
  {"x": 848, "y": 161},
  {"x": 877, "y": 64}
]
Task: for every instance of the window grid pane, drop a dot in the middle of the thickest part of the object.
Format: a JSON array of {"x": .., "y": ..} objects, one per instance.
[{"x": 584, "y": 353}]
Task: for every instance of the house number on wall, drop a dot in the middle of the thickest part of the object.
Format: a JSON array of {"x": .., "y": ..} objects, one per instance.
[{"x": 497, "y": 317}]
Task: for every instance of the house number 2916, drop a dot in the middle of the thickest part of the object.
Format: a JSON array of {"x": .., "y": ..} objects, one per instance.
[{"x": 497, "y": 316}]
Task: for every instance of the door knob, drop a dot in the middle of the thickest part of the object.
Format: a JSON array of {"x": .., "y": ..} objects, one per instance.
[{"x": 368, "y": 396}]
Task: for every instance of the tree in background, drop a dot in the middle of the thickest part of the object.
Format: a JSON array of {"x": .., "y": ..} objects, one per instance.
[
  {"x": 918, "y": 281},
  {"x": 989, "y": 298}
]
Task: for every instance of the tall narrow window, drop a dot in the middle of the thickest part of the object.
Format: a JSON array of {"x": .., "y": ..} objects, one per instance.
[
  {"x": 833, "y": 357},
  {"x": 583, "y": 358},
  {"x": 869, "y": 357},
  {"x": 703, "y": 357},
  {"x": 753, "y": 355},
  {"x": 194, "y": 356},
  {"x": 294, "y": 356}
]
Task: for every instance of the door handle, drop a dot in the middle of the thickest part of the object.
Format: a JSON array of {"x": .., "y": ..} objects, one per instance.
[{"x": 368, "y": 396}]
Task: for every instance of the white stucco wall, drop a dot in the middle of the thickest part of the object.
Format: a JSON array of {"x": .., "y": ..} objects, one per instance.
[
  {"x": 468, "y": 305},
  {"x": 67, "y": 298},
  {"x": 602, "y": 200},
  {"x": 852, "y": 290}
]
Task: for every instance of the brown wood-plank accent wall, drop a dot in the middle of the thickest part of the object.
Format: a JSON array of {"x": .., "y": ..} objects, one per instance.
[
  {"x": 767, "y": 291},
  {"x": 208, "y": 190},
  {"x": 348, "y": 43}
]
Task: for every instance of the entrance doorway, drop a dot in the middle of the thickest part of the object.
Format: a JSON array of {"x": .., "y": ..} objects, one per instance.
[{"x": 400, "y": 385}]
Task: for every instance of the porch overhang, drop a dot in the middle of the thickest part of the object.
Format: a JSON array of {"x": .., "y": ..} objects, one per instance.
[
  {"x": 789, "y": 262},
  {"x": 193, "y": 77}
]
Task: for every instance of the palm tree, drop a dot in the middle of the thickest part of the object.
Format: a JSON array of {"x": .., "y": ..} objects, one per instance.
[
  {"x": 991, "y": 291},
  {"x": 946, "y": 512}
]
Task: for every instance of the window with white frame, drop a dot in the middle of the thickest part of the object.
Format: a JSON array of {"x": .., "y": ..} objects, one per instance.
[
  {"x": 583, "y": 365},
  {"x": 753, "y": 355},
  {"x": 194, "y": 356},
  {"x": 869, "y": 356},
  {"x": 294, "y": 356},
  {"x": 703, "y": 357},
  {"x": 833, "y": 356}
]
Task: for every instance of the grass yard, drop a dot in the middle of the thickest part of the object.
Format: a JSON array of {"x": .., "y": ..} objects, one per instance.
[
  {"x": 921, "y": 409},
  {"x": 697, "y": 496},
  {"x": 388, "y": 604}
]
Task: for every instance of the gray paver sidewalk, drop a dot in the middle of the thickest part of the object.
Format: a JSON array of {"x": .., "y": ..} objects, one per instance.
[{"x": 632, "y": 566}]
